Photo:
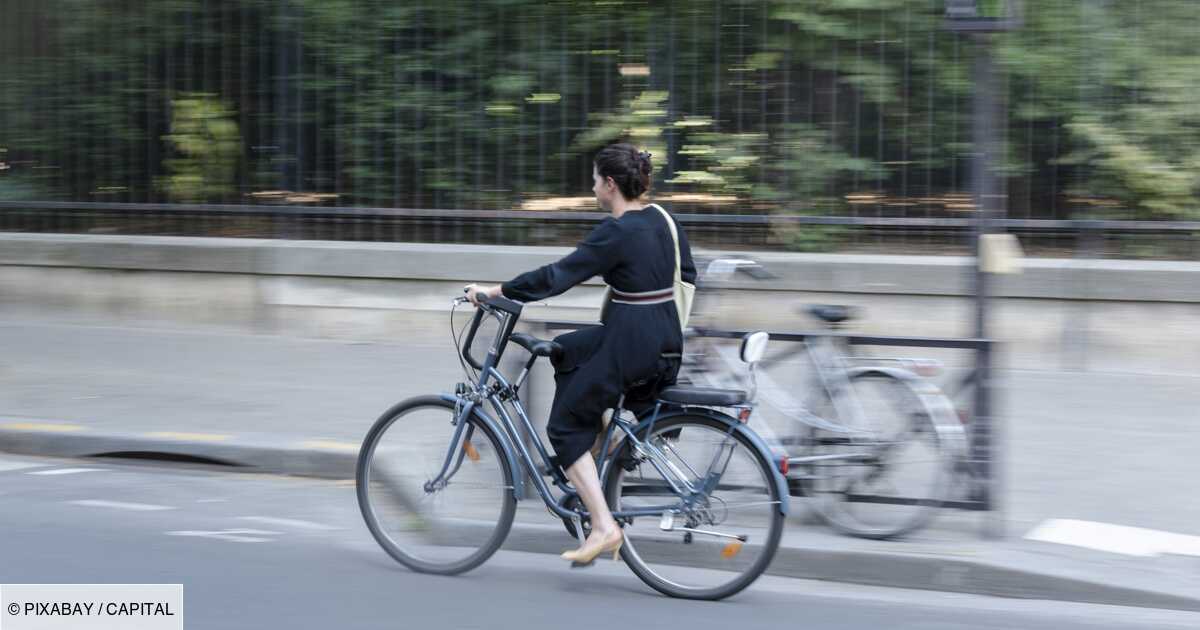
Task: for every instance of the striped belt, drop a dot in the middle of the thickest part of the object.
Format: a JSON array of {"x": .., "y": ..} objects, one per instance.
[{"x": 646, "y": 297}]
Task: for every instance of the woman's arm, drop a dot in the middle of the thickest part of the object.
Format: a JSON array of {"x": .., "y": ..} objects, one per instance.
[{"x": 595, "y": 255}]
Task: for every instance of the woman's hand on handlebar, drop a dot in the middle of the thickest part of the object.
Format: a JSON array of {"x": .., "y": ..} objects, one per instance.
[{"x": 475, "y": 291}]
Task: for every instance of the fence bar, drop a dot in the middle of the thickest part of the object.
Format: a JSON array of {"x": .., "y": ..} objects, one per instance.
[{"x": 1073, "y": 225}]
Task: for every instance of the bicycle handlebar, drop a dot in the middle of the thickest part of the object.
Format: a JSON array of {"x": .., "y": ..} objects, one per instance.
[{"x": 491, "y": 306}]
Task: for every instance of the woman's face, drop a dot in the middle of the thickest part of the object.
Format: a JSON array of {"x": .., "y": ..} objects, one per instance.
[{"x": 603, "y": 188}]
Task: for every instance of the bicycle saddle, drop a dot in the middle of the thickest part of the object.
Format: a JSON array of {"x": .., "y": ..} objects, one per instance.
[
  {"x": 537, "y": 347},
  {"x": 831, "y": 313}
]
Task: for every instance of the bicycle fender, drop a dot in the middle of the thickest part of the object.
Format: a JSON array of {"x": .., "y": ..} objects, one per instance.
[
  {"x": 936, "y": 403},
  {"x": 737, "y": 427},
  {"x": 518, "y": 476}
]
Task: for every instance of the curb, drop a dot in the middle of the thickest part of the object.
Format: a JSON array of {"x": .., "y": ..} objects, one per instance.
[
  {"x": 336, "y": 460},
  {"x": 325, "y": 459}
]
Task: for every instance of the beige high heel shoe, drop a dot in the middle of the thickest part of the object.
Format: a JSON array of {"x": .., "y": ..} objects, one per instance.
[{"x": 585, "y": 556}]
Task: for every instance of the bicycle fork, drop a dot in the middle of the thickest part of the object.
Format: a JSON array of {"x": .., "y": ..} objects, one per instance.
[{"x": 457, "y": 451}]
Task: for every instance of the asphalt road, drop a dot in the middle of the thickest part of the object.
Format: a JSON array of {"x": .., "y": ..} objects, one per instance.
[{"x": 256, "y": 551}]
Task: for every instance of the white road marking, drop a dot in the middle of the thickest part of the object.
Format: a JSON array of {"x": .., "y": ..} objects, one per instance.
[
  {"x": 232, "y": 535},
  {"x": 289, "y": 522},
  {"x": 65, "y": 471},
  {"x": 118, "y": 505},
  {"x": 1132, "y": 541}
]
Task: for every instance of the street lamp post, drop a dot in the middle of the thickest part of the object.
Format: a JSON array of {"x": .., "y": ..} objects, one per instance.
[{"x": 979, "y": 19}]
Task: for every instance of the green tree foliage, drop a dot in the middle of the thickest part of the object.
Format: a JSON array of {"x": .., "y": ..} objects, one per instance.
[
  {"x": 206, "y": 147},
  {"x": 786, "y": 105}
]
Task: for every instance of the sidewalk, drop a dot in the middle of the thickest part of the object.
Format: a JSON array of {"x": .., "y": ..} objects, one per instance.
[{"x": 1109, "y": 448}]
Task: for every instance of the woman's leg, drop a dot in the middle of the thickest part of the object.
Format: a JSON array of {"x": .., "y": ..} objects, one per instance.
[
  {"x": 586, "y": 479},
  {"x": 584, "y": 378}
]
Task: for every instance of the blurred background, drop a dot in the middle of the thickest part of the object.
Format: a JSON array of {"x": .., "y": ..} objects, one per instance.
[
  {"x": 231, "y": 230},
  {"x": 752, "y": 109}
]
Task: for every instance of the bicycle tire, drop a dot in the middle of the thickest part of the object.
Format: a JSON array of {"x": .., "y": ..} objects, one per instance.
[
  {"x": 772, "y": 512},
  {"x": 363, "y": 476},
  {"x": 833, "y": 507}
]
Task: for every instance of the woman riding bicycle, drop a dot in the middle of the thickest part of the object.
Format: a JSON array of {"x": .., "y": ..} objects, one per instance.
[{"x": 635, "y": 350}]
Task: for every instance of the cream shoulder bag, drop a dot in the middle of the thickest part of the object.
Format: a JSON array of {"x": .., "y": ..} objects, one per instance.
[{"x": 684, "y": 291}]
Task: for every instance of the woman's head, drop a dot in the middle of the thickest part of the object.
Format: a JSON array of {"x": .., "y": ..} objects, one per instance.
[{"x": 620, "y": 169}]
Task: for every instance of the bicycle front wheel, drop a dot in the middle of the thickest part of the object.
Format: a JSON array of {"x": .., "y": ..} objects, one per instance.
[
  {"x": 435, "y": 503},
  {"x": 719, "y": 536}
]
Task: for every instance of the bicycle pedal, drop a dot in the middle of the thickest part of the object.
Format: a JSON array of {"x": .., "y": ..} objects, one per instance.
[{"x": 582, "y": 565}]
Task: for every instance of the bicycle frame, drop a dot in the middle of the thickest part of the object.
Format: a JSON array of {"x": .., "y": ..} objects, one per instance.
[
  {"x": 494, "y": 388},
  {"x": 828, "y": 355},
  {"x": 829, "y": 377},
  {"x": 834, "y": 368}
]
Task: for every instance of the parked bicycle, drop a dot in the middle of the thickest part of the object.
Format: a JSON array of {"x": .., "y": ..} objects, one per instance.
[
  {"x": 697, "y": 493},
  {"x": 870, "y": 440}
]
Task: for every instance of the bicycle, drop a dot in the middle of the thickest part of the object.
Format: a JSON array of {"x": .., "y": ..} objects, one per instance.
[
  {"x": 696, "y": 492},
  {"x": 871, "y": 440}
]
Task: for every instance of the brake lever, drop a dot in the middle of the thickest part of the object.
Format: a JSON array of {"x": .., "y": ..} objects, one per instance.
[{"x": 463, "y": 300}]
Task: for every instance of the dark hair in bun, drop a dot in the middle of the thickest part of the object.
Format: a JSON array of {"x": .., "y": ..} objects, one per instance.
[{"x": 628, "y": 167}]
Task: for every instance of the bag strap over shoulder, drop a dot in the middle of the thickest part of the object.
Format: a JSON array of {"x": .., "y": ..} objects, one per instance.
[{"x": 675, "y": 238}]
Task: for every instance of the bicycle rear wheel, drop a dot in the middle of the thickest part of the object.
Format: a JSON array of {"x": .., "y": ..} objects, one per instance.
[
  {"x": 886, "y": 478},
  {"x": 744, "y": 502},
  {"x": 443, "y": 525}
]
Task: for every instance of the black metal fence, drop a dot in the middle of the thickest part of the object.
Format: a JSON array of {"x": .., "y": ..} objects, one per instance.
[{"x": 853, "y": 108}]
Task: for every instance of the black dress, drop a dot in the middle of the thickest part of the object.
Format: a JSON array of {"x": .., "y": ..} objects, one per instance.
[{"x": 634, "y": 254}]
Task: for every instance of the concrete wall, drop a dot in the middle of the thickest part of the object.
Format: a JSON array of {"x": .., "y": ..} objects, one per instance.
[{"x": 1086, "y": 314}]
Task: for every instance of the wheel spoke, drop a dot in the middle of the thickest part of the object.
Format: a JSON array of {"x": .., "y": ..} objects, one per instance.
[
  {"x": 699, "y": 550},
  {"x": 898, "y": 489},
  {"x": 435, "y": 524}
]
